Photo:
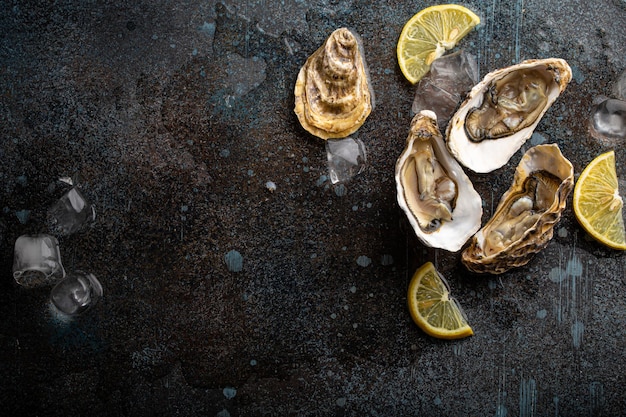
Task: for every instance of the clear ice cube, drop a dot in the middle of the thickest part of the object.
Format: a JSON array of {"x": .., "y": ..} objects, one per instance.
[
  {"x": 37, "y": 261},
  {"x": 346, "y": 158},
  {"x": 75, "y": 294},
  {"x": 443, "y": 88},
  {"x": 608, "y": 119},
  {"x": 70, "y": 213}
]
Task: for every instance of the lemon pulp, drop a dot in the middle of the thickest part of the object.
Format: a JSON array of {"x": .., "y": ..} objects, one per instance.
[
  {"x": 432, "y": 308},
  {"x": 598, "y": 204}
]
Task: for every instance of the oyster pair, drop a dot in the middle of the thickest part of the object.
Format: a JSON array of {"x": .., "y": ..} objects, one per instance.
[
  {"x": 333, "y": 96},
  {"x": 498, "y": 116}
]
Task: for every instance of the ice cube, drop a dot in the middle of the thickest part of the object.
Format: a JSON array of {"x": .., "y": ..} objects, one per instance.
[
  {"x": 37, "y": 261},
  {"x": 447, "y": 83},
  {"x": 75, "y": 294},
  {"x": 70, "y": 213},
  {"x": 608, "y": 119},
  {"x": 346, "y": 158}
]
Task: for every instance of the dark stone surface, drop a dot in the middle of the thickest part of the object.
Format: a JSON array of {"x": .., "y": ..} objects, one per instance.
[{"x": 172, "y": 116}]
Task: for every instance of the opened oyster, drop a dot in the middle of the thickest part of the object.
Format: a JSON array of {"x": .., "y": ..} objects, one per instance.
[
  {"x": 333, "y": 96},
  {"x": 524, "y": 220},
  {"x": 434, "y": 192},
  {"x": 502, "y": 111}
]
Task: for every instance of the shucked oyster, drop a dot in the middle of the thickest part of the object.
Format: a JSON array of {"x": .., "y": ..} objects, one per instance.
[
  {"x": 432, "y": 189},
  {"x": 524, "y": 220},
  {"x": 333, "y": 96},
  {"x": 502, "y": 111}
]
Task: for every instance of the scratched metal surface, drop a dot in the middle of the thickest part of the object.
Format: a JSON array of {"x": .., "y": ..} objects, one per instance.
[{"x": 173, "y": 115}]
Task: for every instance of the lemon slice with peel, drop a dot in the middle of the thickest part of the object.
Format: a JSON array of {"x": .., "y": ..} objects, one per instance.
[
  {"x": 432, "y": 308},
  {"x": 598, "y": 204},
  {"x": 428, "y": 34}
]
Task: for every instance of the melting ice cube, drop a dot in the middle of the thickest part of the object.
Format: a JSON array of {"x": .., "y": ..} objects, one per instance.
[
  {"x": 75, "y": 294},
  {"x": 442, "y": 89},
  {"x": 37, "y": 261},
  {"x": 346, "y": 158},
  {"x": 608, "y": 120},
  {"x": 70, "y": 213}
]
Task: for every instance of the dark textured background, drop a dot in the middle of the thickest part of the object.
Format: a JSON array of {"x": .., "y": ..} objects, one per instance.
[{"x": 172, "y": 115}]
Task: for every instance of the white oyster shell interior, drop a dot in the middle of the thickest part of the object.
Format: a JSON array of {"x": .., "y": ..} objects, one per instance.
[
  {"x": 490, "y": 154},
  {"x": 466, "y": 209}
]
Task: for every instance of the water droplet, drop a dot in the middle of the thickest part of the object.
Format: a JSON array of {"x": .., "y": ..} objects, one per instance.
[
  {"x": 537, "y": 139},
  {"x": 363, "y": 261},
  {"x": 341, "y": 190},
  {"x": 556, "y": 275},
  {"x": 577, "y": 330},
  {"x": 229, "y": 392},
  {"x": 386, "y": 260},
  {"x": 234, "y": 261}
]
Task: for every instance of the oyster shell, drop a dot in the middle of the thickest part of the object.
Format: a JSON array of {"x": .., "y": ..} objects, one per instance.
[
  {"x": 438, "y": 198},
  {"x": 333, "y": 96},
  {"x": 502, "y": 111},
  {"x": 524, "y": 220}
]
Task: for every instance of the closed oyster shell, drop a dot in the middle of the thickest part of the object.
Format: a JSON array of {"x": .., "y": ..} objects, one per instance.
[
  {"x": 502, "y": 111},
  {"x": 524, "y": 220},
  {"x": 333, "y": 96},
  {"x": 446, "y": 210}
]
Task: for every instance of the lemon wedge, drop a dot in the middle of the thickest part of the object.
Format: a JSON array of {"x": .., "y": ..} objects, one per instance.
[
  {"x": 428, "y": 34},
  {"x": 598, "y": 204},
  {"x": 432, "y": 308}
]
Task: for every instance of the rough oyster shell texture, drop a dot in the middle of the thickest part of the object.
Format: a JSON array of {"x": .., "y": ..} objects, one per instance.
[
  {"x": 502, "y": 111},
  {"x": 437, "y": 197},
  {"x": 333, "y": 96},
  {"x": 524, "y": 220}
]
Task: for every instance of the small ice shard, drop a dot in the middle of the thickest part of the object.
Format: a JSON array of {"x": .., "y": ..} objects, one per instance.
[
  {"x": 37, "y": 261},
  {"x": 443, "y": 88},
  {"x": 244, "y": 74},
  {"x": 22, "y": 215},
  {"x": 346, "y": 158},
  {"x": 271, "y": 186},
  {"x": 234, "y": 261},
  {"x": 608, "y": 120},
  {"x": 70, "y": 213},
  {"x": 619, "y": 89},
  {"x": 76, "y": 293},
  {"x": 67, "y": 180}
]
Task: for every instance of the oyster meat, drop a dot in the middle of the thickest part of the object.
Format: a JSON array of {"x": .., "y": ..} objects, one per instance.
[
  {"x": 437, "y": 197},
  {"x": 524, "y": 220},
  {"x": 333, "y": 96},
  {"x": 502, "y": 111}
]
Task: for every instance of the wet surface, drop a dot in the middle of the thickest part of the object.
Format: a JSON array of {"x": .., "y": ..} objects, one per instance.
[{"x": 223, "y": 297}]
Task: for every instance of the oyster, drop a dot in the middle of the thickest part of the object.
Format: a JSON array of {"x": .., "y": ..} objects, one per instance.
[
  {"x": 438, "y": 198},
  {"x": 333, "y": 96},
  {"x": 502, "y": 111},
  {"x": 524, "y": 220}
]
